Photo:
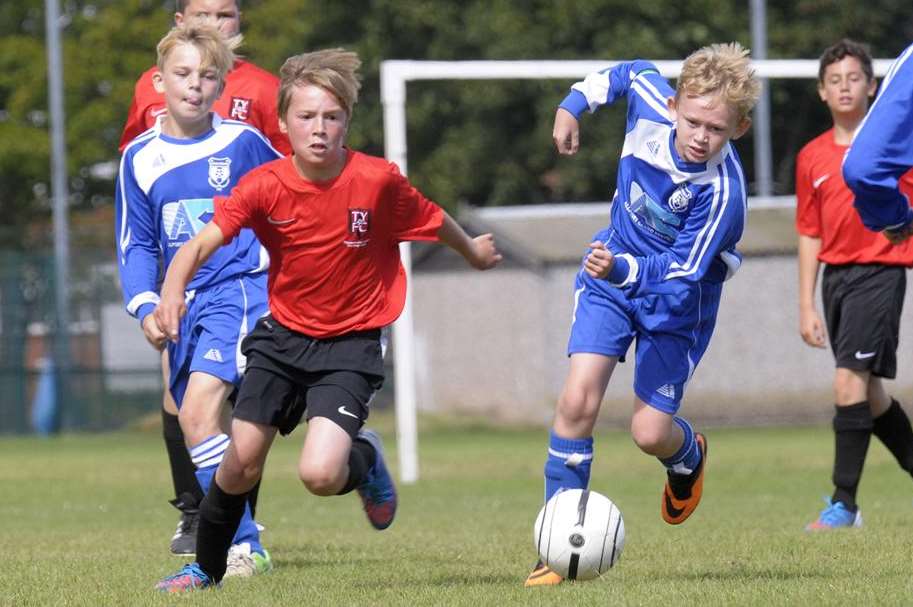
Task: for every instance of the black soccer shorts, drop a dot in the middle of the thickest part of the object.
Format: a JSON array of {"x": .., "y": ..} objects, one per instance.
[
  {"x": 290, "y": 374},
  {"x": 862, "y": 308}
]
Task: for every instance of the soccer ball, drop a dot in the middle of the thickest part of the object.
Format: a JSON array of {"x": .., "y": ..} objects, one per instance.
[{"x": 579, "y": 534}]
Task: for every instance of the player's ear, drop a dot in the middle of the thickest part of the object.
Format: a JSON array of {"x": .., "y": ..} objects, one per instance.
[
  {"x": 871, "y": 88},
  {"x": 742, "y": 127},
  {"x": 821, "y": 92},
  {"x": 283, "y": 128},
  {"x": 158, "y": 83},
  {"x": 179, "y": 19},
  {"x": 673, "y": 108}
]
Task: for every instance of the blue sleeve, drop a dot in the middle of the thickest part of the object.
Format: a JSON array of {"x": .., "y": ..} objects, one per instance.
[
  {"x": 638, "y": 81},
  {"x": 711, "y": 231},
  {"x": 262, "y": 150},
  {"x": 137, "y": 244},
  {"x": 882, "y": 151}
]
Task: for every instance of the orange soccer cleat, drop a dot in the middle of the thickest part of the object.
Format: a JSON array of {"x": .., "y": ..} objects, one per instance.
[{"x": 682, "y": 494}]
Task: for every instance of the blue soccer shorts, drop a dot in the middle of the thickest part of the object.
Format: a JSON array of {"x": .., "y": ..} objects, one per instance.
[
  {"x": 672, "y": 333},
  {"x": 217, "y": 319}
]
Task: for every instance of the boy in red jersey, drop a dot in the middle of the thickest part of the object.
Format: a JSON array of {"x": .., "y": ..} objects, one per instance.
[
  {"x": 332, "y": 220},
  {"x": 249, "y": 95},
  {"x": 250, "y": 91},
  {"x": 862, "y": 288}
]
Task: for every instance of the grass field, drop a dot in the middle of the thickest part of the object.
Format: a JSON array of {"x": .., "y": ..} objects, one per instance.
[{"x": 86, "y": 523}]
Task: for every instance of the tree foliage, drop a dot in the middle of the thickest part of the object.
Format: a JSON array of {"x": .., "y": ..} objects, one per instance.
[{"x": 480, "y": 142}]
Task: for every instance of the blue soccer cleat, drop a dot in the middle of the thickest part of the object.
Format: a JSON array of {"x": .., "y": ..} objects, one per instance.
[
  {"x": 835, "y": 516},
  {"x": 189, "y": 578},
  {"x": 378, "y": 495}
]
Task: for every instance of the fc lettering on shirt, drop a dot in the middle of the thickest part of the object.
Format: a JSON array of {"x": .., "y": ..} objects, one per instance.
[{"x": 359, "y": 225}]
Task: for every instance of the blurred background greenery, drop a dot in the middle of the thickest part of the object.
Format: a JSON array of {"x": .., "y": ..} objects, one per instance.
[{"x": 476, "y": 142}]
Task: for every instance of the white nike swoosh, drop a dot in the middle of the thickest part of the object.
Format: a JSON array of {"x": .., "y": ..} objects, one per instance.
[
  {"x": 158, "y": 112},
  {"x": 280, "y": 222},
  {"x": 343, "y": 410},
  {"x": 863, "y": 355},
  {"x": 820, "y": 180}
]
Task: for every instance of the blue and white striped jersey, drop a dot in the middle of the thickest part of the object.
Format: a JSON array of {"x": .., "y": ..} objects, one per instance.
[
  {"x": 164, "y": 196},
  {"x": 882, "y": 151},
  {"x": 673, "y": 222}
]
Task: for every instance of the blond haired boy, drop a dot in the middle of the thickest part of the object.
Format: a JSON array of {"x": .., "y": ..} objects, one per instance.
[
  {"x": 167, "y": 180},
  {"x": 331, "y": 219},
  {"x": 656, "y": 273}
]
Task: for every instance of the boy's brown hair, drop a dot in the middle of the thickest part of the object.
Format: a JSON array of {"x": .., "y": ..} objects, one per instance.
[
  {"x": 335, "y": 70},
  {"x": 846, "y": 48},
  {"x": 722, "y": 69},
  {"x": 216, "y": 50}
]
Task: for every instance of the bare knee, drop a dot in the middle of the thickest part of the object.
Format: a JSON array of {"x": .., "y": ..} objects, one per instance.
[
  {"x": 650, "y": 439},
  {"x": 242, "y": 473},
  {"x": 850, "y": 387},
  {"x": 319, "y": 478},
  {"x": 577, "y": 411}
]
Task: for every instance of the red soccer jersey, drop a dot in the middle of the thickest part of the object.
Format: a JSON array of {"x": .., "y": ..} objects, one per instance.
[
  {"x": 825, "y": 210},
  {"x": 250, "y": 96},
  {"x": 333, "y": 246}
]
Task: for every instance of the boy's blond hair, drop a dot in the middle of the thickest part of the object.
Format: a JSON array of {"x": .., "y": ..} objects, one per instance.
[
  {"x": 335, "y": 70},
  {"x": 724, "y": 70},
  {"x": 216, "y": 50}
]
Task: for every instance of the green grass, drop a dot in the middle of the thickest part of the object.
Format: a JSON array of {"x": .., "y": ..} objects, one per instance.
[{"x": 85, "y": 522}]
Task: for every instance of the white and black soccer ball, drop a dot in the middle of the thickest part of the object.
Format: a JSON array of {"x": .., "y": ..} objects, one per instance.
[{"x": 579, "y": 534}]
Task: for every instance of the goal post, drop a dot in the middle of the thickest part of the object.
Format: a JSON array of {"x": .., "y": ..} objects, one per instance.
[{"x": 394, "y": 75}]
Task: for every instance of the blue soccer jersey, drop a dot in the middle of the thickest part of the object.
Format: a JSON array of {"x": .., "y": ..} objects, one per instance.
[
  {"x": 882, "y": 151},
  {"x": 674, "y": 223},
  {"x": 164, "y": 196}
]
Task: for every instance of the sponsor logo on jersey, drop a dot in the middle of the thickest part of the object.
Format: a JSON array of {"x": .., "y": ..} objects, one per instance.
[
  {"x": 240, "y": 108},
  {"x": 654, "y": 217},
  {"x": 359, "y": 226},
  {"x": 219, "y": 172},
  {"x": 653, "y": 146},
  {"x": 184, "y": 218},
  {"x": 680, "y": 198}
]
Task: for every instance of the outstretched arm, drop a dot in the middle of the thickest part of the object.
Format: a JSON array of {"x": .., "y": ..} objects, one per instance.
[
  {"x": 183, "y": 268},
  {"x": 480, "y": 251}
]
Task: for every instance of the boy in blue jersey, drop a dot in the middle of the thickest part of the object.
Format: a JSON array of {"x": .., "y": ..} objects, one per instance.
[
  {"x": 168, "y": 177},
  {"x": 882, "y": 151},
  {"x": 656, "y": 273}
]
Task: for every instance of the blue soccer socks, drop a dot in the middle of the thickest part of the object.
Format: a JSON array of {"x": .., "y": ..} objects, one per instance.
[
  {"x": 568, "y": 464},
  {"x": 687, "y": 459}
]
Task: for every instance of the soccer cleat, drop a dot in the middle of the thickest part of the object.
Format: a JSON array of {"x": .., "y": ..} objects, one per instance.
[
  {"x": 189, "y": 578},
  {"x": 835, "y": 516},
  {"x": 682, "y": 493},
  {"x": 184, "y": 540},
  {"x": 541, "y": 575},
  {"x": 378, "y": 494},
  {"x": 244, "y": 563}
]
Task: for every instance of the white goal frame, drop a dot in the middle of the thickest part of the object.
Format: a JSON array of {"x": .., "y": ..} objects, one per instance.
[{"x": 394, "y": 75}]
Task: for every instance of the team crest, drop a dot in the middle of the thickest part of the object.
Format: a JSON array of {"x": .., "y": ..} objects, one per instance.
[
  {"x": 240, "y": 108},
  {"x": 219, "y": 172},
  {"x": 359, "y": 226},
  {"x": 680, "y": 198}
]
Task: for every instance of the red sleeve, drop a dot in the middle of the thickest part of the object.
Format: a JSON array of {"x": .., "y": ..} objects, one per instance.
[
  {"x": 138, "y": 117},
  {"x": 269, "y": 121},
  {"x": 414, "y": 216},
  {"x": 234, "y": 212},
  {"x": 808, "y": 209}
]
